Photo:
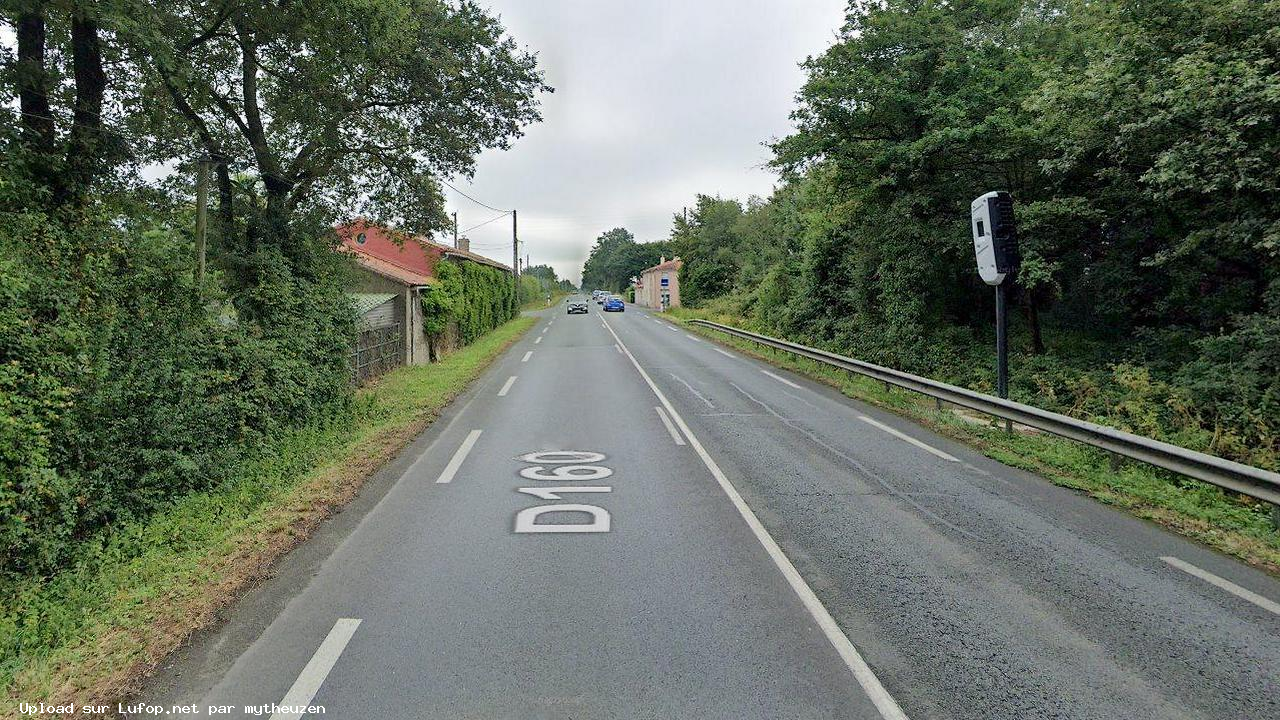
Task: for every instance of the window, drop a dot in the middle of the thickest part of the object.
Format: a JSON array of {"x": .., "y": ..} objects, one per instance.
[
  {"x": 982, "y": 232},
  {"x": 360, "y": 239}
]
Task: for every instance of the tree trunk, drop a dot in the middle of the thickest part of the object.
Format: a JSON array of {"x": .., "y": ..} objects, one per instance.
[
  {"x": 1033, "y": 321},
  {"x": 85, "y": 148},
  {"x": 33, "y": 93}
]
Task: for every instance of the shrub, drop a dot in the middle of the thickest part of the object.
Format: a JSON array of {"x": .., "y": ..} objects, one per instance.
[{"x": 124, "y": 385}]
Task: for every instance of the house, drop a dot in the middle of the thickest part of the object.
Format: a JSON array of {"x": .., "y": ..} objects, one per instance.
[
  {"x": 395, "y": 269},
  {"x": 658, "y": 287}
]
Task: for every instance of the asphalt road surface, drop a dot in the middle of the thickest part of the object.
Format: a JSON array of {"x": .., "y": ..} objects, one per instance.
[{"x": 622, "y": 520}]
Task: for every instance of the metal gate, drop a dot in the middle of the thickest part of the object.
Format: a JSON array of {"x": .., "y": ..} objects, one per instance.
[{"x": 376, "y": 351}]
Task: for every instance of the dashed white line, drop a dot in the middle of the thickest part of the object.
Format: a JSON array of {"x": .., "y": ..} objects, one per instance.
[
  {"x": 1234, "y": 589},
  {"x": 722, "y": 352},
  {"x": 535, "y": 342},
  {"x": 545, "y": 329},
  {"x": 905, "y": 437},
  {"x": 675, "y": 435},
  {"x": 507, "y": 386},
  {"x": 459, "y": 456},
  {"x": 672, "y": 328},
  {"x": 692, "y": 337},
  {"x": 866, "y": 677},
  {"x": 308, "y": 683},
  {"x": 781, "y": 379},
  {"x": 527, "y": 356}
]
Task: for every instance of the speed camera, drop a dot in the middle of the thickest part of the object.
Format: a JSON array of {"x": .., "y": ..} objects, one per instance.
[{"x": 995, "y": 237}]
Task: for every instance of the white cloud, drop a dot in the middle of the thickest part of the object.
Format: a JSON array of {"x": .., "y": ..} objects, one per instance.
[{"x": 655, "y": 101}]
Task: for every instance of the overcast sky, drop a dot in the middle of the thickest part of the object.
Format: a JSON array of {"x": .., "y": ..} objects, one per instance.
[{"x": 655, "y": 101}]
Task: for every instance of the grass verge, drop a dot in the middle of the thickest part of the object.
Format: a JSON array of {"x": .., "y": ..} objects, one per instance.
[
  {"x": 1228, "y": 522},
  {"x": 90, "y": 633}
]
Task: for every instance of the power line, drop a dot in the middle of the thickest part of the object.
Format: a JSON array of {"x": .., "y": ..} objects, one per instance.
[
  {"x": 486, "y": 222},
  {"x": 446, "y": 184}
]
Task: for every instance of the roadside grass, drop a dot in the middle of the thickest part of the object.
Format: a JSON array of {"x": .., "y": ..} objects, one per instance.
[
  {"x": 89, "y": 634},
  {"x": 1228, "y": 522}
]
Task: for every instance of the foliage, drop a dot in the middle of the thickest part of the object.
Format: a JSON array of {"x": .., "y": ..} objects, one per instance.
[
  {"x": 1138, "y": 140},
  {"x": 123, "y": 390},
  {"x": 616, "y": 257},
  {"x": 127, "y": 382},
  {"x": 136, "y": 592},
  {"x": 537, "y": 282},
  {"x": 470, "y": 296}
]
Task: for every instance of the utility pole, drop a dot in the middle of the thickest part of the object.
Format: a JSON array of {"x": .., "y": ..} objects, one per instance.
[
  {"x": 202, "y": 216},
  {"x": 455, "y": 230},
  {"x": 515, "y": 257}
]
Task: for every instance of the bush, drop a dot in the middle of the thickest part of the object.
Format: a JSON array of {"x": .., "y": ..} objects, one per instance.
[
  {"x": 124, "y": 386},
  {"x": 474, "y": 297}
]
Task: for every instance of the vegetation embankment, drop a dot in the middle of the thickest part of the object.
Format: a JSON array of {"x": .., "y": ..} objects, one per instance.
[
  {"x": 128, "y": 598},
  {"x": 1137, "y": 141},
  {"x": 1218, "y": 518}
]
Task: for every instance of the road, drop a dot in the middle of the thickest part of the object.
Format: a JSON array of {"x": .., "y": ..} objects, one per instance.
[{"x": 726, "y": 540}]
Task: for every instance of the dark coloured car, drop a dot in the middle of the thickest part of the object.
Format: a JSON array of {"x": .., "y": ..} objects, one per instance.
[{"x": 614, "y": 305}]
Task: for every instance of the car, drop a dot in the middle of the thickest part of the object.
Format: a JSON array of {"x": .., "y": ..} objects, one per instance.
[
  {"x": 614, "y": 304},
  {"x": 576, "y": 306}
]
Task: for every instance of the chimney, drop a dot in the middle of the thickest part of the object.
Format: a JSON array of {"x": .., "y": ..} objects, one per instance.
[{"x": 464, "y": 244}]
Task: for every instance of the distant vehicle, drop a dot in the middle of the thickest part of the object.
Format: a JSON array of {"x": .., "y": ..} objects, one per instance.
[
  {"x": 576, "y": 306},
  {"x": 601, "y": 298},
  {"x": 614, "y": 304}
]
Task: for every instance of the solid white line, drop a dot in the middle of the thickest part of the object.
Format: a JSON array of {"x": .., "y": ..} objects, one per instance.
[
  {"x": 507, "y": 386},
  {"x": 675, "y": 435},
  {"x": 615, "y": 347},
  {"x": 535, "y": 342},
  {"x": 308, "y": 683},
  {"x": 692, "y": 337},
  {"x": 722, "y": 352},
  {"x": 1234, "y": 589},
  {"x": 781, "y": 379},
  {"x": 458, "y": 457},
  {"x": 908, "y": 438},
  {"x": 526, "y": 356},
  {"x": 862, "y": 672}
]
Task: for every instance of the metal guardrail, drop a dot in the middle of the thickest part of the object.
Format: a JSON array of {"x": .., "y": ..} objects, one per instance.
[{"x": 1238, "y": 477}]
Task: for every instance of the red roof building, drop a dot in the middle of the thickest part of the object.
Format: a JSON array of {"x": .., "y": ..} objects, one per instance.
[{"x": 403, "y": 265}]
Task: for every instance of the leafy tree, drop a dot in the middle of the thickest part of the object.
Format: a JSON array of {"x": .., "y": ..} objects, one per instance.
[
  {"x": 330, "y": 101},
  {"x": 616, "y": 258}
]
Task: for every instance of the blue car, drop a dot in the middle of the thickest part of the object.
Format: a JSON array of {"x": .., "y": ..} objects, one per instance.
[{"x": 614, "y": 305}]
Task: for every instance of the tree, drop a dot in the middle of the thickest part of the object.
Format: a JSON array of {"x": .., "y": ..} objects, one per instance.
[
  {"x": 616, "y": 258},
  {"x": 330, "y": 102}
]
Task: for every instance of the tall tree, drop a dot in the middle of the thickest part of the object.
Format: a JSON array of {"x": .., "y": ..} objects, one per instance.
[{"x": 326, "y": 102}]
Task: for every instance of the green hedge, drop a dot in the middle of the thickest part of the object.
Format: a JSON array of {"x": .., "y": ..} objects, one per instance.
[
  {"x": 124, "y": 386},
  {"x": 475, "y": 297}
]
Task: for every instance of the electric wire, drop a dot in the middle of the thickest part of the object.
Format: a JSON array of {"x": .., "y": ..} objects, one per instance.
[{"x": 486, "y": 222}]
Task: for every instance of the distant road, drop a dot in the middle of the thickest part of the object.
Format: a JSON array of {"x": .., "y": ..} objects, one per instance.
[{"x": 726, "y": 540}]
